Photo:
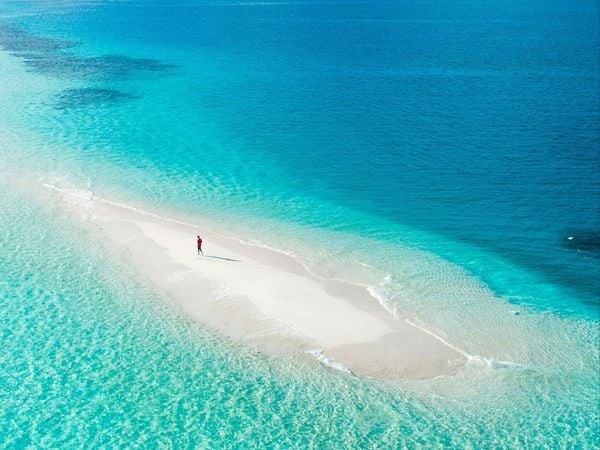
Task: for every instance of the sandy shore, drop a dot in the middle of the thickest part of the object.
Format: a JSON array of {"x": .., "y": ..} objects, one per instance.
[{"x": 265, "y": 297}]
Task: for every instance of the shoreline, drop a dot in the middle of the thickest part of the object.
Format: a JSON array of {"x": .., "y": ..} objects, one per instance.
[{"x": 266, "y": 298}]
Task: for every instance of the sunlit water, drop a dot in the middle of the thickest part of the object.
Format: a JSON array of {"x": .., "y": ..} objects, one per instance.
[{"x": 440, "y": 155}]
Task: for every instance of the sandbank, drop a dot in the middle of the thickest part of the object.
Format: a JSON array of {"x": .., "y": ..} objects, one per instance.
[{"x": 266, "y": 298}]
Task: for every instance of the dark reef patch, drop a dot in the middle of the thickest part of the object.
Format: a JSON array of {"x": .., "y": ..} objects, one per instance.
[
  {"x": 48, "y": 56},
  {"x": 95, "y": 67},
  {"x": 82, "y": 97},
  {"x": 16, "y": 40},
  {"x": 583, "y": 240}
]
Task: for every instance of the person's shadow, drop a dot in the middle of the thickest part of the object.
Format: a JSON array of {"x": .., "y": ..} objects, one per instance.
[{"x": 224, "y": 259}]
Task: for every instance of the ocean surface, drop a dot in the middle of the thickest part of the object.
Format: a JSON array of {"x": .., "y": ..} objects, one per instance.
[{"x": 444, "y": 154}]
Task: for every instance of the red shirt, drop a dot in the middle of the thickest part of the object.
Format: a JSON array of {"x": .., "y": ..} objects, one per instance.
[{"x": 199, "y": 242}]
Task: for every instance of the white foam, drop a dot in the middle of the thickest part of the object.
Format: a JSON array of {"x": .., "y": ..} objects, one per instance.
[
  {"x": 325, "y": 360},
  {"x": 381, "y": 298},
  {"x": 475, "y": 360},
  {"x": 79, "y": 197},
  {"x": 439, "y": 338}
]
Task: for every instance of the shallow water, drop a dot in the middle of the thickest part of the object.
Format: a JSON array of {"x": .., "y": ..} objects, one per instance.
[{"x": 440, "y": 155}]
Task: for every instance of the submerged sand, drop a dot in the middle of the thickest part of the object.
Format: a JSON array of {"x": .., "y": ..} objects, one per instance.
[{"x": 267, "y": 298}]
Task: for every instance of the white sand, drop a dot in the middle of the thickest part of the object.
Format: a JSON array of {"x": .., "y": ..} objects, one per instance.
[{"x": 267, "y": 298}]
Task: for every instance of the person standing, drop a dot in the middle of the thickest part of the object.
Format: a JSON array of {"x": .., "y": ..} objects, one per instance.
[{"x": 199, "y": 241}]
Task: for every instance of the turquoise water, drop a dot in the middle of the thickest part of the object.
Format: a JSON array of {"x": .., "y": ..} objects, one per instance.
[{"x": 439, "y": 154}]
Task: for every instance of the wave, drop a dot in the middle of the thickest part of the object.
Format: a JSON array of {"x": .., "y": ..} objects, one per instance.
[{"x": 324, "y": 359}]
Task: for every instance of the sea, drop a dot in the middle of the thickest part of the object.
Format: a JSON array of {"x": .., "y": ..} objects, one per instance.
[{"x": 444, "y": 154}]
